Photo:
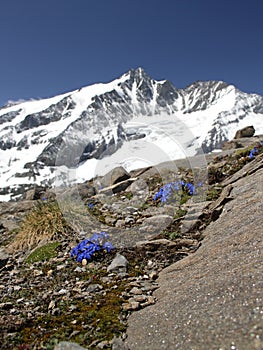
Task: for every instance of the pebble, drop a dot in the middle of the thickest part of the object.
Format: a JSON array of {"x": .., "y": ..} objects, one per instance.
[
  {"x": 92, "y": 288},
  {"x": 136, "y": 290},
  {"x": 84, "y": 262},
  {"x": 118, "y": 263},
  {"x": 52, "y": 304},
  {"x": 63, "y": 291},
  {"x": 133, "y": 305}
]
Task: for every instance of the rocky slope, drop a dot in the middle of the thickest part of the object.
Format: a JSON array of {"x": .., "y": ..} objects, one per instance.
[
  {"x": 213, "y": 298},
  {"x": 213, "y": 267}
]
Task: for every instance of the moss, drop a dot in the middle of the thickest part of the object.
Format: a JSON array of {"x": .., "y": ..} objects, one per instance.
[
  {"x": 180, "y": 213},
  {"x": 128, "y": 195},
  {"x": 81, "y": 319},
  {"x": 184, "y": 198},
  {"x": 213, "y": 193},
  {"x": 91, "y": 321},
  {"x": 43, "y": 253},
  {"x": 173, "y": 235}
]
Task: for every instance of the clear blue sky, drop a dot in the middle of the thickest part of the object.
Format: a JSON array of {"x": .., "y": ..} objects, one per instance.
[{"x": 53, "y": 46}]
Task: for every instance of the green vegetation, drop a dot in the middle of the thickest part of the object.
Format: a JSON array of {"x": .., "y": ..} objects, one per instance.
[
  {"x": 43, "y": 253},
  {"x": 75, "y": 317},
  {"x": 213, "y": 193}
]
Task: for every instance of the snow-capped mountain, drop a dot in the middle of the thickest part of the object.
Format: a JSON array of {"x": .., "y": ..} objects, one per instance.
[{"x": 132, "y": 121}]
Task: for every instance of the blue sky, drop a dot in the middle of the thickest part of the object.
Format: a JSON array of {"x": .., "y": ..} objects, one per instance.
[{"x": 53, "y": 46}]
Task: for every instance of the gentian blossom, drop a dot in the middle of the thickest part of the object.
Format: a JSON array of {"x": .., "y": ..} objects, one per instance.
[
  {"x": 253, "y": 152},
  {"x": 173, "y": 188},
  {"x": 88, "y": 247}
]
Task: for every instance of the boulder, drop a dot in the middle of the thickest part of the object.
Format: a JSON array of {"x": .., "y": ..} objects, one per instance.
[
  {"x": 156, "y": 224},
  {"x": 248, "y": 131},
  {"x": 115, "y": 176}
]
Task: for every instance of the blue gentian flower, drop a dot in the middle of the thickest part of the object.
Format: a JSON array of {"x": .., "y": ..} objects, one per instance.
[
  {"x": 173, "y": 188},
  {"x": 88, "y": 247},
  {"x": 253, "y": 152}
]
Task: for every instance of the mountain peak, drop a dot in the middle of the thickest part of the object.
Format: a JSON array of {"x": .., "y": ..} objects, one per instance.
[{"x": 138, "y": 74}]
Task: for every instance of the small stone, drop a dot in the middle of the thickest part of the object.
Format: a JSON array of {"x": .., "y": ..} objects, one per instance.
[
  {"x": 13, "y": 311},
  {"x": 10, "y": 290},
  {"x": 55, "y": 311},
  {"x": 106, "y": 279},
  {"x": 78, "y": 269},
  {"x": 84, "y": 262},
  {"x": 119, "y": 262},
  {"x": 16, "y": 288},
  {"x": 49, "y": 273},
  {"x": 62, "y": 291},
  {"x": 136, "y": 291},
  {"x": 150, "y": 263},
  {"x": 94, "y": 288},
  {"x": 51, "y": 305},
  {"x": 131, "y": 306},
  {"x": 20, "y": 300},
  {"x": 103, "y": 344},
  {"x": 37, "y": 273},
  {"x": 129, "y": 220},
  {"x": 120, "y": 223},
  {"x": 151, "y": 300},
  {"x": 140, "y": 298},
  {"x": 110, "y": 221},
  {"x": 153, "y": 275}
]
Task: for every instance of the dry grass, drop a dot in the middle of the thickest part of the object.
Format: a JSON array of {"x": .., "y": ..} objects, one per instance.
[{"x": 43, "y": 224}]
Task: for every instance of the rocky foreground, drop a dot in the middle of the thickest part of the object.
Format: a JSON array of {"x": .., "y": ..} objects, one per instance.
[
  {"x": 213, "y": 299},
  {"x": 186, "y": 274}
]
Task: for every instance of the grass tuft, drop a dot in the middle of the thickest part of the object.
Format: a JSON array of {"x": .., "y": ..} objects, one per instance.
[{"x": 43, "y": 224}]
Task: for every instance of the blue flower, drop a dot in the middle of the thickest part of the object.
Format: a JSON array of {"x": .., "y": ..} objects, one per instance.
[
  {"x": 90, "y": 205},
  {"x": 172, "y": 188},
  {"x": 107, "y": 246},
  {"x": 253, "y": 152},
  {"x": 88, "y": 247}
]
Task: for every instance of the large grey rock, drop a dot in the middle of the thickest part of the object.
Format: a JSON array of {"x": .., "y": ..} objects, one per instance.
[
  {"x": 115, "y": 176},
  {"x": 213, "y": 298},
  {"x": 156, "y": 224},
  {"x": 248, "y": 131}
]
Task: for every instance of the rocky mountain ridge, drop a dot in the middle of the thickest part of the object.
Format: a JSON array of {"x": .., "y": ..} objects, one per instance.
[{"x": 94, "y": 122}]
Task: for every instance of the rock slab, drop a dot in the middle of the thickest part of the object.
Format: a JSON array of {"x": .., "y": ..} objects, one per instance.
[{"x": 213, "y": 298}]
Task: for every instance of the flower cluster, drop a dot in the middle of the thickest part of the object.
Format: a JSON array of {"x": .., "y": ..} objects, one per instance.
[
  {"x": 173, "y": 188},
  {"x": 88, "y": 247},
  {"x": 255, "y": 151}
]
